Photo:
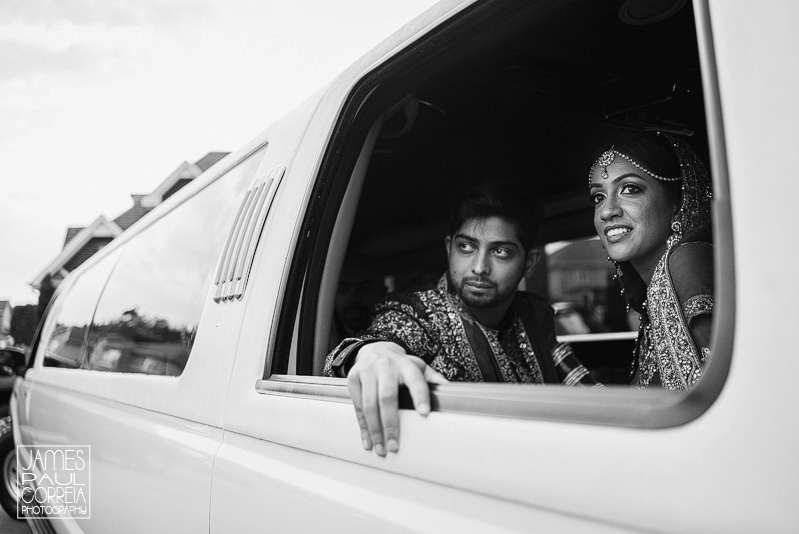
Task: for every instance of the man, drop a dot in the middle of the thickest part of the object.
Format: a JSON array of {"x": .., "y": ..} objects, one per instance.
[{"x": 473, "y": 325}]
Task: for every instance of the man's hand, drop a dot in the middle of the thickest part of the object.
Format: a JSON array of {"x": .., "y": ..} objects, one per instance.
[{"x": 374, "y": 380}]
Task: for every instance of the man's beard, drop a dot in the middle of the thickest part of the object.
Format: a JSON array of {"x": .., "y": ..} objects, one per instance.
[{"x": 486, "y": 300}]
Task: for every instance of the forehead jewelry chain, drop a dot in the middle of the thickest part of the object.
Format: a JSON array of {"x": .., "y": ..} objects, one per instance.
[{"x": 609, "y": 156}]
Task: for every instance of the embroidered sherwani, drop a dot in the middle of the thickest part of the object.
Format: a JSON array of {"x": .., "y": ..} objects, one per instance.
[{"x": 434, "y": 325}]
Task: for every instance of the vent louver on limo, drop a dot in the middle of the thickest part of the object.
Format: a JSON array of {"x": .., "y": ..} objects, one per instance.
[{"x": 236, "y": 260}]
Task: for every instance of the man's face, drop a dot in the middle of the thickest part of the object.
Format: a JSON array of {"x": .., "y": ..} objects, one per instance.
[{"x": 486, "y": 262}]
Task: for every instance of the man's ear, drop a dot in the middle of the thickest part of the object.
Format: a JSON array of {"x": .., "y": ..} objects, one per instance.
[
  {"x": 448, "y": 243},
  {"x": 532, "y": 259}
]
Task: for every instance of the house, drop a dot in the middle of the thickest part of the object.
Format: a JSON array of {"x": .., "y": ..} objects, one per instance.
[{"x": 81, "y": 243}]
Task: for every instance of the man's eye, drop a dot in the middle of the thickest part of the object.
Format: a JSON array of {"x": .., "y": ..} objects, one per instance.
[
  {"x": 465, "y": 247},
  {"x": 502, "y": 252}
]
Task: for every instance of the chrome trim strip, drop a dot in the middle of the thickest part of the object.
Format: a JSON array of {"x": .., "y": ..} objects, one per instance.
[
  {"x": 308, "y": 387},
  {"x": 614, "y": 406},
  {"x": 599, "y": 336}
]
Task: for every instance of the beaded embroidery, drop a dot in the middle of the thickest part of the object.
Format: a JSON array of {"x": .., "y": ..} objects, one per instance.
[
  {"x": 697, "y": 305},
  {"x": 667, "y": 352}
]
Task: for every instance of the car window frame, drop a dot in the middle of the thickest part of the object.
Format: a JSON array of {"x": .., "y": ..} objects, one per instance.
[{"x": 623, "y": 406}]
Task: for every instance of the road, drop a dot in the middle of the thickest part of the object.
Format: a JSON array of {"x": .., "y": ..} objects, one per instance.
[{"x": 12, "y": 526}]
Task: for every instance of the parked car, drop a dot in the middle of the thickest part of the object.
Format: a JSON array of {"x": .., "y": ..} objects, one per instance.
[
  {"x": 187, "y": 354},
  {"x": 12, "y": 363}
]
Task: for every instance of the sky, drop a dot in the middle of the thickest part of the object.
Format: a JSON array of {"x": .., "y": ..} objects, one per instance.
[{"x": 101, "y": 99}]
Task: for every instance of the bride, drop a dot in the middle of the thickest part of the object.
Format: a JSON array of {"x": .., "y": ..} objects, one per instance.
[{"x": 651, "y": 197}]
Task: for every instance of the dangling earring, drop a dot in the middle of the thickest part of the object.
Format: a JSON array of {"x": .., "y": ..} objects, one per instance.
[
  {"x": 676, "y": 235},
  {"x": 617, "y": 276}
]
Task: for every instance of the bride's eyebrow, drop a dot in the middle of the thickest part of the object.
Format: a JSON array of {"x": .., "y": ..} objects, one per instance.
[{"x": 616, "y": 179}]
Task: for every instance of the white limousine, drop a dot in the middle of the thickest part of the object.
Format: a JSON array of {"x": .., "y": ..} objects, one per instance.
[{"x": 181, "y": 367}]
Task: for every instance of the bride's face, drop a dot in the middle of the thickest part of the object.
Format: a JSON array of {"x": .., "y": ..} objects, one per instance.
[{"x": 633, "y": 213}]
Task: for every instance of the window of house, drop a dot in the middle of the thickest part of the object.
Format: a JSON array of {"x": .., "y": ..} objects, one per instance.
[{"x": 524, "y": 93}]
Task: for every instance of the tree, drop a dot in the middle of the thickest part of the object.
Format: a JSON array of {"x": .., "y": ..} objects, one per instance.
[{"x": 24, "y": 320}]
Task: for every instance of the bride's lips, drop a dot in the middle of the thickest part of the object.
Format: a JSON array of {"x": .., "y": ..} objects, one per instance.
[{"x": 616, "y": 233}]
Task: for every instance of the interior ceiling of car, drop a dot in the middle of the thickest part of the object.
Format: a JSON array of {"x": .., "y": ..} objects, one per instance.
[{"x": 533, "y": 107}]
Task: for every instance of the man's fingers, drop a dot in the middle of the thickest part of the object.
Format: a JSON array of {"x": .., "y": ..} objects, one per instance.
[
  {"x": 354, "y": 384},
  {"x": 414, "y": 379},
  {"x": 433, "y": 376},
  {"x": 370, "y": 408},
  {"x": 366, "y": 440},
  {"x": 388, "y": 398}
]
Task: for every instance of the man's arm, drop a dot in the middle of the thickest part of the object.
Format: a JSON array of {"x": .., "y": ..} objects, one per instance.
[{"x": 390, "y": 353}]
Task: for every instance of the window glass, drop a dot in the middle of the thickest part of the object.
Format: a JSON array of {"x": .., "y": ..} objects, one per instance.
[
  {"x": 591, "y": 313},
  {"x": 65, "y": 344},
  {"x": 583, "y": 290},
  {"x": 148, "y": 315}
]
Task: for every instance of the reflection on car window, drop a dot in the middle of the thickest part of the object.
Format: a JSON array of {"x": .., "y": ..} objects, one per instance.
[
  {"x": 147, "y": 317},
  {"x": 64, "y": 347},
  {"x": 590, "y": 312},
  {"x": 583, "y": 290}
]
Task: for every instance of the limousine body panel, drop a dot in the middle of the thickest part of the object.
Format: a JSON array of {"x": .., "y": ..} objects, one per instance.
[{"x": 166, "y": 489}]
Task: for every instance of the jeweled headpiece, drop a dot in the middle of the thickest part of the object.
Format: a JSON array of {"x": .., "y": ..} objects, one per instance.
[
  {"x": 609, "y": 155},
  {"x": 604, "y": 161}
]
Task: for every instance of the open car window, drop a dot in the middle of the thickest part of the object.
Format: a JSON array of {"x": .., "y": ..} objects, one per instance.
[{"x": 523, "y": 93}]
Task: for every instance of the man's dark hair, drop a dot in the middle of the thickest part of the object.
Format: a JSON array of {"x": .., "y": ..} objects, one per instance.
[{"x": 503, "y": 200}]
